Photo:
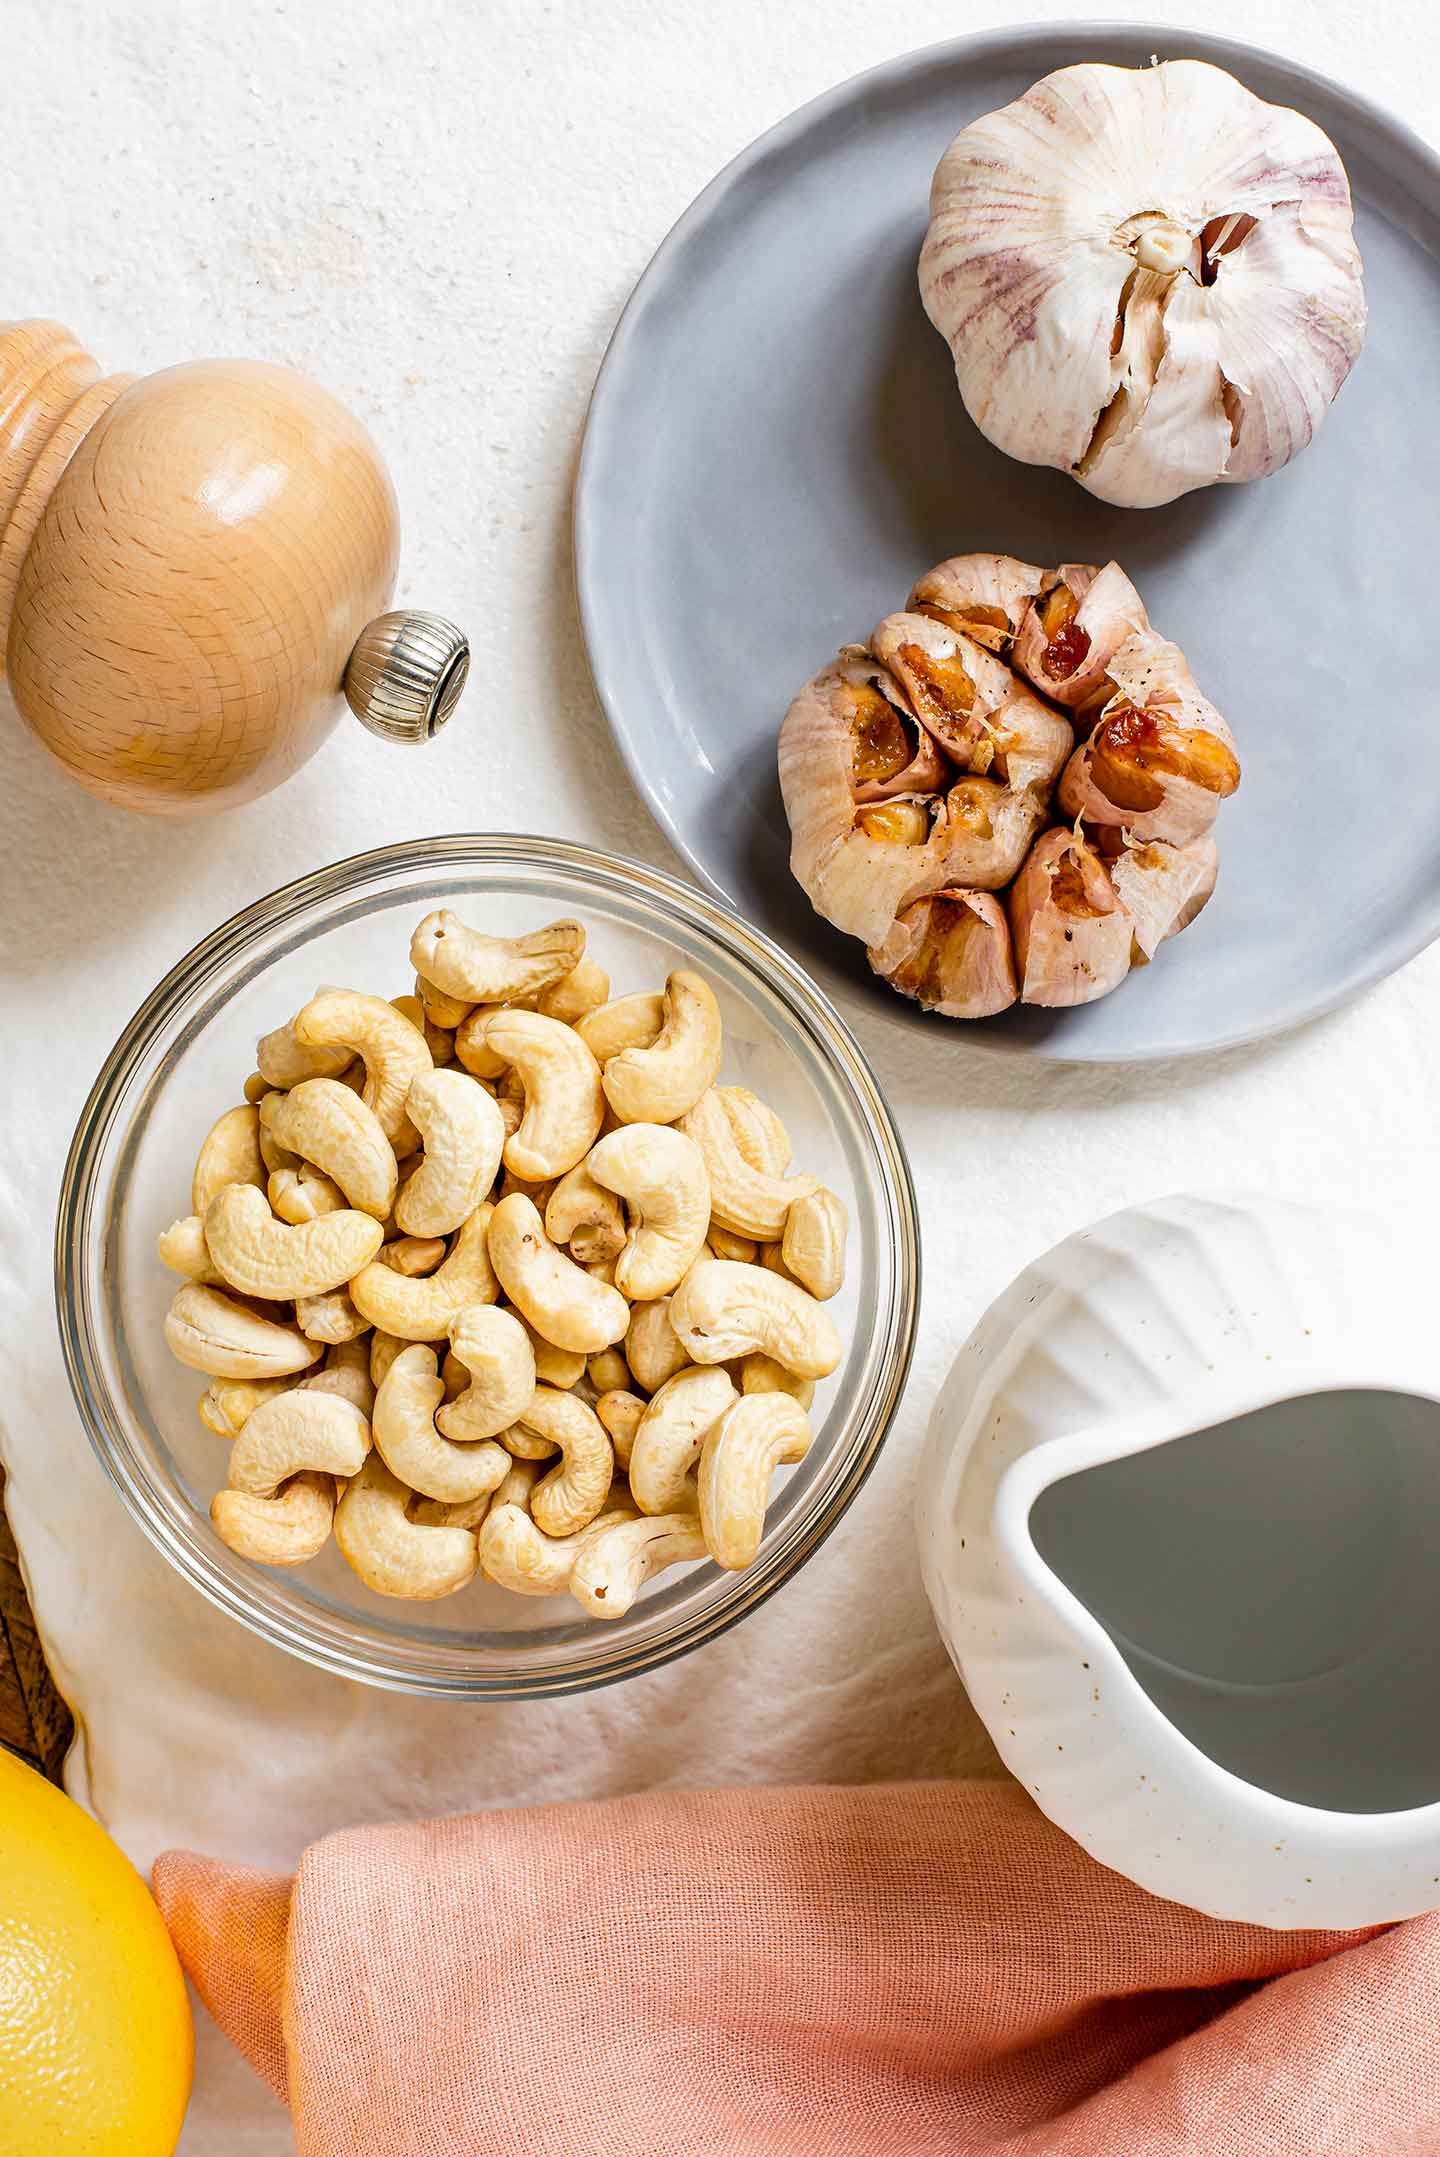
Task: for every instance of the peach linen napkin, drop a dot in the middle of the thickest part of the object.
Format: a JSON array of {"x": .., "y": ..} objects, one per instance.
[{"x": 875, "y": 1972}]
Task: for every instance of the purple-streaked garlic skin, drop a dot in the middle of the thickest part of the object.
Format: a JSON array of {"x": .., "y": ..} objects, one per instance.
[
  {"x": 1071, "y": 667},
  {"x": 951, "y": 952},
  {"x": 1162, "y": 888},
  {"x": 967, "y": 588},
  {"x": 1152, "y": 683},
  {"x": 1147, "y": 277},
  {"x": 1071, "y": 935}
]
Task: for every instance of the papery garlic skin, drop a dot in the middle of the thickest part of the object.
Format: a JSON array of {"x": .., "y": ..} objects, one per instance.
[
  {"x": 951, "y": 952},
  {"x": 1072, "y": 937},
  {"x": 1160, "y": 758},
  {"x": 1146, "y": 276},
  {"x": 919, "y": 773},
  {"x": 1162, "y": 888}
]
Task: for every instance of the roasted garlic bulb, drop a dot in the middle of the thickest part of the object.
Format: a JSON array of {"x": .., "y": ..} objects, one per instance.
[
  {"x": 1009, "y": 792},
  {"x": 1147, "y": 276}
]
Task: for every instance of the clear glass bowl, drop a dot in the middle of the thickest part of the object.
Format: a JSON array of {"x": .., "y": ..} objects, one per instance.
[{"x": 185, "y": 1055}]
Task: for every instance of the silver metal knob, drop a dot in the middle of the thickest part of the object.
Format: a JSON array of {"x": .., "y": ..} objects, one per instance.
[{"x": 405, "y": 675}]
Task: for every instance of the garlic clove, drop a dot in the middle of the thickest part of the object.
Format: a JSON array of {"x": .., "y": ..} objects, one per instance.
[
  {"x": 1162, "y": 888},
  {"x": 1071, "y": 935},
  {"x": 983, "y": 831},
  {"x": 1160, "y": 759},
  {"x": 1032, "y": 741},
  {"x": 1079, "y": 620},
  {"x": 951, "y": 951},
  {"x": 854, "y": 879},
  {"x": 1147, "y": 277},
  {"x": 953, "y": 684},
  {"x": 985, "y": 596}
]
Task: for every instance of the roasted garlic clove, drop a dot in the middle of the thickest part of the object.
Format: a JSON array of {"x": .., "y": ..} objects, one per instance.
[
  {"x": 953, "y": 684},
  {"x": 985, "y": 596},
  {"x": 890, "y": 752},
  {"x": 951, "y": 952},
  {"x": 1162, "y": 888},
  {"x": 855, "y": 878},
  {"x": 1071, "y": 935},
  {"x": 1078, "y": 622},
  {"x": 1160, "y": 759},
  {"x": 983, "y": 831},
  {"x": 1146, "y": 276}
]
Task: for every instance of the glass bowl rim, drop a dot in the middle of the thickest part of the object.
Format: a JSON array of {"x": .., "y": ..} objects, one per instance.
[{"x": 819, "y": 1026}]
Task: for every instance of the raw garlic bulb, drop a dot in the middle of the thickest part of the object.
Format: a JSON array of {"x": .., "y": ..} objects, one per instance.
[
  {"x": 1146, "y": 276},
  {"x": 1008, "y": 793}
]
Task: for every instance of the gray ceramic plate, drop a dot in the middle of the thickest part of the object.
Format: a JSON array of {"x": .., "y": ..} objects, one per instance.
[{"x": 776, "y": 449}]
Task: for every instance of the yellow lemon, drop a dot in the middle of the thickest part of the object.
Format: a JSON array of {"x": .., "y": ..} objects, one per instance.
[{"x": 96, "y": 2042}]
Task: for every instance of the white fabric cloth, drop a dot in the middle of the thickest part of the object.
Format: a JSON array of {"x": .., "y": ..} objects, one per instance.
[{"x": 438, "y": 209}]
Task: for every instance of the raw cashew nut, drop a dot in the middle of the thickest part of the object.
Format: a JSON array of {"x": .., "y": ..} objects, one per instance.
[
  {"x": 743, "y": 1249},
  {"x": 284, "y": 1530},
  {"x": 520, "y": 1479},
  {"x": 384, "y": 1348},
  {"x": 414, "y": 1449},
  {"x": 583, "y": 989},
  {"x": 571, "y": 1495},
  {"x": 414, "y": 1256},
  {"x": 495, "y": 1349},
  {"x": 230, "y": 1154},
  {"x": 393, "y": 1052},
  {"x": 283, "y": 1060},
  {"x": 564, "y": 1106},
  {"x": 721, "y": 1310},
  {"x": 331, "y": 1318},
  {"x": 303, "y": 1193},
  {"x": 323, "y": 1122},
  {"x": 652, "y": 1349},
  {"x": 620, "y": 1412},
  {"x": 747, "y": 1200},
  {"x": 183, "y": 1249},
  {"x": 272, "y": 1153},
  {"x": 440, "y": 1040},
  {"x": 209, "y": 1332},
  {"x": 659, "y": 1083},
  {"x": 423, "y": 1310},
  {"x": 255, "y": 1088},
  {"x": 813, "y": 1243},
  {"x": 672, "y": 1431},
  {"x": 608, "y": 1372},
  {"x": 558, "y": 1367},
  {"x": 558, "y": 1297},
  {"x": 583, "y": 1215},
  {"x": 263, "y": 1257},
  {"x": 393, "y": 1554},
  {"x": 346, "y": 1372},
  {"x": 516, "y": 1554},
  {"x": 230, "y": 1401},
  {"x": 762, "y": 1374},
  {"x": 493, "y": 969},
  {"x": 462, "y": 1132},
  {"x": 446, "y": 1012},
  {"x": 661, "y": 1175},
  {"x": 294, "y": 1431},
  {"x": 741, "y": 1453},
  {"x": 760, "y": 1136},
  {"x": 616, "y": 1562},
  {"x": 627, "y": 1022}
]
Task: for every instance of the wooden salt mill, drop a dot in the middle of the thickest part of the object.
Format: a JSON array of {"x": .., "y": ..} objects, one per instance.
[{"x": 191, "y": 570}]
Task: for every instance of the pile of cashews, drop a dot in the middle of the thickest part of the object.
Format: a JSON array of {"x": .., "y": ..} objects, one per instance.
[{"x": 495, "y": 1278}]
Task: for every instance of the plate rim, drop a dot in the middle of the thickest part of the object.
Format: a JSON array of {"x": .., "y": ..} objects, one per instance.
[{"x": 606, "y": 402}]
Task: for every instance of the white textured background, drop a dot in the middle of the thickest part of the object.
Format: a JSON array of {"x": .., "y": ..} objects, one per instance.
[{"x": 438, "y": 209}]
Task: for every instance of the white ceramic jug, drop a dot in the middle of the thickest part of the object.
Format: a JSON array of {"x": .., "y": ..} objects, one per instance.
[{"x": 1179, "y": 1518}]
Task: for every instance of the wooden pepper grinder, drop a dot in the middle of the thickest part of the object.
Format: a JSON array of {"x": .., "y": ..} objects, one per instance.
[{"x": 191, "y": 567}]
